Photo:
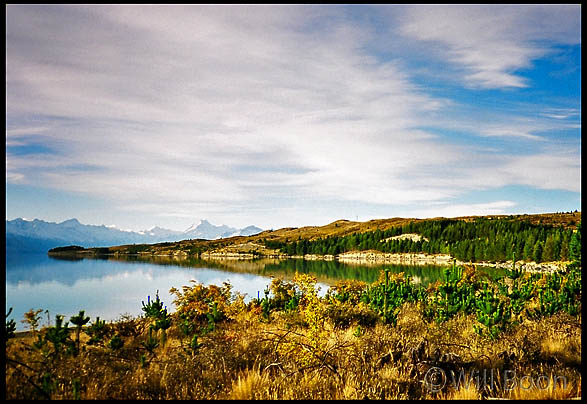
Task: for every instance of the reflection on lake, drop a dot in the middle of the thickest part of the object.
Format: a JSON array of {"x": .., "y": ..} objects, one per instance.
[
  {"x": 327, "y": 272},
  {"x": 109, "y": 286}
]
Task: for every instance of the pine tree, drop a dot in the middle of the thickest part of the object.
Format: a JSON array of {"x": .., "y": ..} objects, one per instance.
[
  {"x": 564, "y": 251},
  {"x": 537, "y": 253},
  {"x": 529, "y": 248},
  {"x": 548, "y": 252},
  {"x": 575, "y": 246}
]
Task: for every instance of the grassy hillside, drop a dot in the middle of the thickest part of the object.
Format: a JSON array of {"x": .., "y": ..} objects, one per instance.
[
  {"x": 558, "y": 226},
  {"x": 478, "y": 239},
  {"x": 346, "y": 227}
]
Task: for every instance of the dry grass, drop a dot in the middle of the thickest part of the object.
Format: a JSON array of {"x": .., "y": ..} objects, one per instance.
[
  {"x": 340, "y": 228},
  {"x": 467, "y": 391},
  {"x": 544, "y": 387},
  {"x": 248, "y": 358}
]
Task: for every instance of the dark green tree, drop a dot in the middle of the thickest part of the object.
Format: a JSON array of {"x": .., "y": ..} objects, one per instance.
[
  {"x": 79, "y": 321},
  {"x": 549, "y": 249},
  {"x": 10, "y": 326},
  {"x": 537, "y": 253},
  {"x": 529, "y": 248},
  {"x": 575, "y": 246},
  {"x": 564, "y": 247}
]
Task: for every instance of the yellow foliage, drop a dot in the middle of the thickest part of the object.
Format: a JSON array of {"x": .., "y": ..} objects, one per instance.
[
  {"x": 546, "y": 389},
  {"x": 196, "y": 301}
]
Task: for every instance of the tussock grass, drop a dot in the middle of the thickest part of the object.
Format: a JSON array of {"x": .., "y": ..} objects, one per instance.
[
  {"x": 301, "y": 351},
  {"x": 249, "y": 359},
  {"x": 547, "y": 388}
]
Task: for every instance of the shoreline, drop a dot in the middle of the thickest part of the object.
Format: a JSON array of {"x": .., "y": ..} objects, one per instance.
[
  {"x": 376, "y": 257},
  {"x": 369, "y": 257}
]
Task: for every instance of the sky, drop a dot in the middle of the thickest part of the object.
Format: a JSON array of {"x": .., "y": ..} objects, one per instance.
[{"x": 290, "y": 115}]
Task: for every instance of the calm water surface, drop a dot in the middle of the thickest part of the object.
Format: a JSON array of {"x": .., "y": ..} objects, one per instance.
[{"x": 110, "y": 287}]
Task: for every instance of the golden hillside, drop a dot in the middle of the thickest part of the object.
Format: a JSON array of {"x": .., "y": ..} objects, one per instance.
[{"x": 240, "y": 244}]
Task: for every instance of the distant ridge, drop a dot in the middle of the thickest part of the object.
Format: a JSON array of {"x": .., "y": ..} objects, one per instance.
[
  {"x": 237, "y": 243},
  {"x": 40, "y": 236}
]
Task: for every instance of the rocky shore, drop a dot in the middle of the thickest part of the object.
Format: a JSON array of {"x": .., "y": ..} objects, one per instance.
[
  {"x": 370, "y": 257},
  {"x": 376, "y": 257}
]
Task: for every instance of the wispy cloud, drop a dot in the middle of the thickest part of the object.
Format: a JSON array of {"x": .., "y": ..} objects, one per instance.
[
  {"x": 491, "y": 44},
  {"x": 183, "y": 110},
  {"x": 476, "y": 209},
  {"x": 198, "y": 98},
  {"x": 546, "y": 171},
  {"x": 562, "y": 113}
]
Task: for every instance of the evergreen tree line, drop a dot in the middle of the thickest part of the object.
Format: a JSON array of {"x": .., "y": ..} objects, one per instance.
[{"x": 479, "y": 240}]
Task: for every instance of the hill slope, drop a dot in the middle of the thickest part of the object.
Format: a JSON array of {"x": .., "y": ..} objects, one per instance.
[{"x": 287, "y": 241}]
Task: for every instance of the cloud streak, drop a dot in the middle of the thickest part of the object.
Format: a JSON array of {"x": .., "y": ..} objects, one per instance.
[
  {"x": 492, "y": 43},
  {"x": 195, "y": 109}
]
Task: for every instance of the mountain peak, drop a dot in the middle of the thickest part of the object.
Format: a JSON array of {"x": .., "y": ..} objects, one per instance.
[
  {"x": 207, "y": 230},
  {"x": 250, "y": 230},
  {"x": 201, "y": 225},
  {"x": 72, "y": 231},
  {"x": 73, "y": 221}
]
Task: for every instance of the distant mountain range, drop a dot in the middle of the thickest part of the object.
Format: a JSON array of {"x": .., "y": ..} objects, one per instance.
[{"x": 40, "y": 236}]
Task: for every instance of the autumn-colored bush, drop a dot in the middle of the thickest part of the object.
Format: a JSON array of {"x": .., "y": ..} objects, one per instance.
[{"x": 294, "y": 343}]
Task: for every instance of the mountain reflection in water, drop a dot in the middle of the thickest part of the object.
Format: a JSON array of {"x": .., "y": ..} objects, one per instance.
[{"x": 108, "y": 286}]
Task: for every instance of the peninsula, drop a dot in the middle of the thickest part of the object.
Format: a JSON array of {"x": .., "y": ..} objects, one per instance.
[{"x": 539, "y": 242}]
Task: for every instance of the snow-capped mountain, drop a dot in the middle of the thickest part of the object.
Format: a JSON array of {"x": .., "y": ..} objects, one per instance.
[
  {"x": 38, "y": 235},
  {"x": 207, "y": 230}
]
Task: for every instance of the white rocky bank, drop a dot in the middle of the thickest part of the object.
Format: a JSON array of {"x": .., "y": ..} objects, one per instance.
[
  {"x": 372, "y": 257},
  {"x": 376, "y": 257}
]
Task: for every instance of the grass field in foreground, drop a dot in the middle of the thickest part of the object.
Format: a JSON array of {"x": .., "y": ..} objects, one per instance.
[{"x": 463, "y": 337}]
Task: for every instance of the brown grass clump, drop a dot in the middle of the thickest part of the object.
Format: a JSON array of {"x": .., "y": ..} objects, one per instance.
[
  {"x": 546, "y": 388},
  {"x": 250, "y": 359},
  {"x": 248, "y": 384},
  {"x": 243, "y": 351},
  {"x": 467, "y": 391}
]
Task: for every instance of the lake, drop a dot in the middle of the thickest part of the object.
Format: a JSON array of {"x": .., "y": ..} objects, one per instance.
[{"x": 109, "y": 287}]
